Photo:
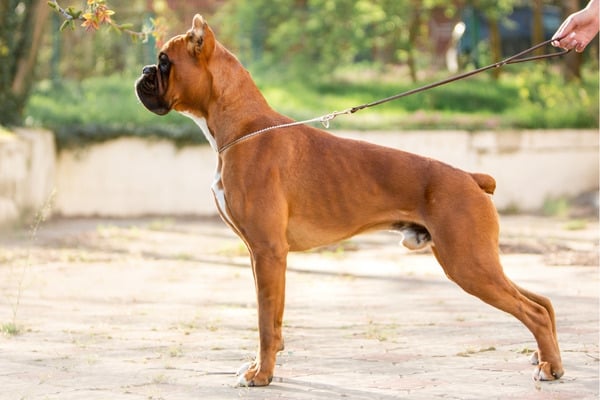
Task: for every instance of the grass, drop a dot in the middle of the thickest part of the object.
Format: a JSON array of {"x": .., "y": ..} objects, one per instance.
[
  {"x": 533, "y": 96},
  {"x": 10, "y": 329}
]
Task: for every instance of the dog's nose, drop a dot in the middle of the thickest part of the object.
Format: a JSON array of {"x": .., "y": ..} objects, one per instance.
[{"x": 148, "y": 70}]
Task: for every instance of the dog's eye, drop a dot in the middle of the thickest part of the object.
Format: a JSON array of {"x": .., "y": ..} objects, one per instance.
[{"x": 164, "y": 63}]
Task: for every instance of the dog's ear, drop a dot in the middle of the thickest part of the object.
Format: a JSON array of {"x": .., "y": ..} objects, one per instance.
[{"x": 200, "y": 37}]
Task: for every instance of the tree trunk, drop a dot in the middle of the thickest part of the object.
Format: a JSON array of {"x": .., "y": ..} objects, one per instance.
[
  {"x": 413, "y": 33},
  {"x": 22, "y": 26},
  {"x": 537, "y": 26},
  {"x": 572, "y": 64},
  {"x": 495, "y": 44}
]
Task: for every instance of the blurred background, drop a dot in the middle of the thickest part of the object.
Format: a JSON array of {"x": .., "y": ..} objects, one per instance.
[
  {"x": 313, "y": 56},
  {"x": 309, "y": 57}
]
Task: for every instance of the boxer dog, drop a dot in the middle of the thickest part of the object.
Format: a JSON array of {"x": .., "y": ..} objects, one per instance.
[{"x": 295, "y": 188}]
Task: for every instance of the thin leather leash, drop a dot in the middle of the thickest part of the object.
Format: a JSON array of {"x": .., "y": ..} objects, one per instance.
[{"x": 327, "y": 118}]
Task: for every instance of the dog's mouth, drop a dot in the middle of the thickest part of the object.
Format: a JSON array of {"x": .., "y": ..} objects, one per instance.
[{"x": 148, "y": 90}]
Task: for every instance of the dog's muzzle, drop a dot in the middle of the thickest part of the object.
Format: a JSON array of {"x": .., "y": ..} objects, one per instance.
[{"x": 147, "y": 90}]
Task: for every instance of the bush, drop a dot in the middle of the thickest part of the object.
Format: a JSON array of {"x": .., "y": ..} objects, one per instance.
[{"x": 550, "y": 103}]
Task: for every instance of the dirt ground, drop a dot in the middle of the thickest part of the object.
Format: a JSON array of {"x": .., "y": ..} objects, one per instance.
[{"x": 162, "y": 308}]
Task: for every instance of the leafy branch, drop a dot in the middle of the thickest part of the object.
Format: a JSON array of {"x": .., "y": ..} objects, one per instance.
[{"x": 97, "y": 13}]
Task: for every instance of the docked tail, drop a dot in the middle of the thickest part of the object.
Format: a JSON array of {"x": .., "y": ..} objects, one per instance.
[{"x": 485, "y": 182}]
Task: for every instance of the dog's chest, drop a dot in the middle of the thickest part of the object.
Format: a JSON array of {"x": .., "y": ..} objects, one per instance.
[
  {"x": 219, "y": 194},
  {"x": 217, "y": 185},
  {"x": 201, "y": 122}
]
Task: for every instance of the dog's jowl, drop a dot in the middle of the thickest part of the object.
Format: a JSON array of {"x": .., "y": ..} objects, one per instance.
[{"x": 294, "y": 188}]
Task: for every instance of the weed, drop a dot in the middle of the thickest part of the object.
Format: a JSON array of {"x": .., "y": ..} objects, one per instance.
[
  {"x": 213, "y": 326},
  {"x": 381, "y": 333},
  {"x": 526, "y": 351},
  {"x": 556, "y": 207},
  {"x": 175, "y": 351},
  {"x": 470, "y": 352},
  {"x": 160, "y": 379},
  {"x": 575, "y": 225},
  {"x": 12, "y": 328}
]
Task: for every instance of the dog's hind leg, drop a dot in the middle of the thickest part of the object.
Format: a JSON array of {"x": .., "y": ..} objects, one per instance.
[
  {"x": 544, "y": 302},
  {"x": 473, "y": 263},
  {"x": 485, "y": 280}
]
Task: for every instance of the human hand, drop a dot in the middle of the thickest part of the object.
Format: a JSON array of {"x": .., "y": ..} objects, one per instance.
[{"x": 578, "y": 29}]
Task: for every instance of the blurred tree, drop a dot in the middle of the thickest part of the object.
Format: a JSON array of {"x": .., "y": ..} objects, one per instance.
[
  {"x": 183, "y": 11},
  {"x": 22, "y": 24},
  {"x": 494, "y": 10},
  {"x": 339, "y": 32},
  {"x": 342, "y": 32}
]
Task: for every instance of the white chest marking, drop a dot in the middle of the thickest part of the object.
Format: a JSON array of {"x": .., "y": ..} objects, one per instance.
[
  {"x": 219, "y": 193},
  {"x": 201, "y": 122},
  {"x": 217, "y": 185}
]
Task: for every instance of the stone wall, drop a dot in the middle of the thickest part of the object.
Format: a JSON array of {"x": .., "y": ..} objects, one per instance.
[
  {"x": 134, "y": 177},
  {"x": 27, "y": 173}
]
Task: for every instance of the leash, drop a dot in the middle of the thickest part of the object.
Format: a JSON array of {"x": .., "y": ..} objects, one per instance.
[{"x": 327, "y": 118}]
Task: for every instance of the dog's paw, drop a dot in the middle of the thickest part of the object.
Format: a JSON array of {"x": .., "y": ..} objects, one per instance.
[
  {"x": 535, "y": 358},
  {"x": 545, "y": 372},
  {"x": 241, "y": 374},
  {"x": 248, "y": 375}
]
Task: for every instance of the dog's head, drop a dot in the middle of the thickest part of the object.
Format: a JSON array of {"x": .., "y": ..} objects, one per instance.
[{"x": 181, "y": 77}]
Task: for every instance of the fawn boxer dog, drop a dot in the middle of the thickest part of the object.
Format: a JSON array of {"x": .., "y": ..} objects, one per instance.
[{"x": 295, "y": 188}]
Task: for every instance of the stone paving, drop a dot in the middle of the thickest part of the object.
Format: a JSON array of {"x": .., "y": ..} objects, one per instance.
[{"x": 165, "y": 309}]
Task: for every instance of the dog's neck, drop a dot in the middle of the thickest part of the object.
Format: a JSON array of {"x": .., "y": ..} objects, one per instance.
[{"x": 232, "y": 90}]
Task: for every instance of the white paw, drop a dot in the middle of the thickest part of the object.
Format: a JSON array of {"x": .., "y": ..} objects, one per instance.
[
  {"x": 540, "y": 375},
  {"x": 534, "y": 359},
  {"x": 241, "y": 372}
]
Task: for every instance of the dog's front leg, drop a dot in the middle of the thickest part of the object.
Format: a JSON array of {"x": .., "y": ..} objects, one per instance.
[{"x": 269, "y": 275}]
